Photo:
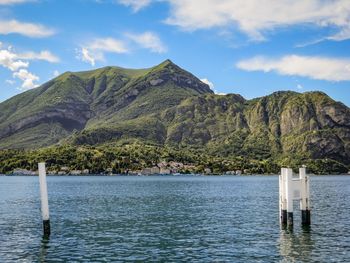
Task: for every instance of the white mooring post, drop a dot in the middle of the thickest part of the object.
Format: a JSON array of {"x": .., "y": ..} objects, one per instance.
[
  {"x": 44, "y": 199},
  {"x": 291, "y": 189},
  {"x": 282, "y": 198},
  {"x": 305, "y": 197}
]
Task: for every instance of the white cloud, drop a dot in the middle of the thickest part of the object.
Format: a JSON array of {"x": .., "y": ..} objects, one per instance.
[
  {"x": 108, "y": 45},
  {"x": 95, "y": 50},
  {"x": 13, "y": 61},
  {"x": 10, "y": 60},
  {"x": 256, "y": 17},
  {"x": 55, "y": 73},
  {"x": 42, "y": 55},
  {"x": 343, "y": 34},
  {"x": 149, "y": 40},
  {"x": 136, "y": 5},
  {"x": 10, "y": 81},
  {"x": 11, "y": 2},
  {"x": 26, "y": 29},
  {"x": 299, "y": 86},
  {"x": 27, "y": 78},
  {"x": 209, "y": 83},
  {"x": 321, "y": 68},
  {"x": 86, "y": 57},
  {"x": 211, "y": 86}
]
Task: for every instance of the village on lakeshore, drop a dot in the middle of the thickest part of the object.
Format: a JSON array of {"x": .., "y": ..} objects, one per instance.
[{"x": 162, "y": 168}]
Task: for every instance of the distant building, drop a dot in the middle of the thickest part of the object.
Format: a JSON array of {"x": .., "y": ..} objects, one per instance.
[
  {"x": 155, "y": 170},
  {"x": 176, "y": 165},
  {"x": 146, "y": 171},
  {"x": 149, "y": 171},
  {"x": 23, "y": 172},
  {"x": 162, "y": 164},
  {"x": 207, "y": 171},
  {"x": 174, "y": 171},
  {"x": 164, "y": 171},
  {"x": 76, "y": 172}
]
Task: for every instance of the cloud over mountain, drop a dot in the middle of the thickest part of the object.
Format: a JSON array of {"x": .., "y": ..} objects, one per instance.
[{"x": 321, "y": 68}]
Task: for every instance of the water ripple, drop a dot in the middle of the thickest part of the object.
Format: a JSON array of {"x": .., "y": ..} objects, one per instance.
[{"x": 170, "y": 219}]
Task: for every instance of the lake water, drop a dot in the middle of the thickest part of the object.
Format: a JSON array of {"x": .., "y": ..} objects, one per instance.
[{"x": 170, "y": 219}]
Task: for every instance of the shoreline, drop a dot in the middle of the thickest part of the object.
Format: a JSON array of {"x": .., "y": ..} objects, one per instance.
[{"x": 158, "y": 175}]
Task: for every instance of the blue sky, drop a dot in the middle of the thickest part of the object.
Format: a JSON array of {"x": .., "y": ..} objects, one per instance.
[{"x": 250, "y": 47}]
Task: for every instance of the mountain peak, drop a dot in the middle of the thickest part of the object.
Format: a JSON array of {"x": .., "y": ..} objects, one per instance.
[
  {"x": 166, "y": 62},
  {"x": 170, "y": 72}
]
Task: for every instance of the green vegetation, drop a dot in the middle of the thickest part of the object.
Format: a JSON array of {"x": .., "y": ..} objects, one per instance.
[
  {"x": 133, "y": 156},
  {"x": 167, "y": 109}
]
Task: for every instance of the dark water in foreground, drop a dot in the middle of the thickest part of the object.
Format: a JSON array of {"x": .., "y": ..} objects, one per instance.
[{"x": 170, "y": 219}]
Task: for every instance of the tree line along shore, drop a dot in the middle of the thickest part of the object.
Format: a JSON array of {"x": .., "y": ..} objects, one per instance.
[{"x": 141, "y": 159}]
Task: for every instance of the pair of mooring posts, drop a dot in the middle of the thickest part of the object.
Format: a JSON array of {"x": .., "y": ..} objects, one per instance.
[{"x": 291, "y": 189}]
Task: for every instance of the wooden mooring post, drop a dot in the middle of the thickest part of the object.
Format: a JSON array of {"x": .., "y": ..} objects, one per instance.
[
  {"x": 44, "y": 200},
  {"x": 291, "y": 189}
]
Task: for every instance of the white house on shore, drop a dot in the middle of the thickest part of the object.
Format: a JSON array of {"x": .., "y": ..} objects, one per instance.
[{"x": 23, "y": 172}]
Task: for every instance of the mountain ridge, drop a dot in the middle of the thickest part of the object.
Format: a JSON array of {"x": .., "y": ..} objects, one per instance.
[{"x": 167, "y": 105}]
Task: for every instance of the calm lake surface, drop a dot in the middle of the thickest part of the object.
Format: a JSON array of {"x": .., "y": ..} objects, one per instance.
[{"x": 170, "y": 219}]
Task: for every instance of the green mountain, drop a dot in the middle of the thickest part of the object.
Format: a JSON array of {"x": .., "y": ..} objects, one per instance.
[
  {"x": 109, "y": 101},
  {"x": 310, "y": 124},
  {"x": 168, "y": 106}
]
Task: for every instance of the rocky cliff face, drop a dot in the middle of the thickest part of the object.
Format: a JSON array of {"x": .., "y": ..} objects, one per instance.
[
  {"x": 169, "y": 106},
  {"x": 309, "y": 124}
]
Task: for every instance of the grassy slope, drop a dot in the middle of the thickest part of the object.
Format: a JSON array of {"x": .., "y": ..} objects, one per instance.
[{"x": 109, "y": 98}]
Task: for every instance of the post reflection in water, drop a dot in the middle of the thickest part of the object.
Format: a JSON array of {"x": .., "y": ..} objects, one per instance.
[
  {"x": 296, "y": 246},
  {"x": 44, "y": 246}
]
